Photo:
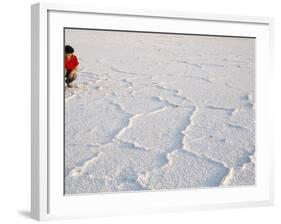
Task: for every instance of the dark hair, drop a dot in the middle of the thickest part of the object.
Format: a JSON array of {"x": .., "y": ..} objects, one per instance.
[{"x": 68, "y": 49}]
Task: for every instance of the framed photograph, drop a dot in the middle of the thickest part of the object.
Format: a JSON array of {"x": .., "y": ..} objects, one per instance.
[{"x": 138, "y": 111}]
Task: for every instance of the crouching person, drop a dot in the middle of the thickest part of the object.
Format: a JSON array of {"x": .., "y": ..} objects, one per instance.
[{"x": 71, "y": 65}]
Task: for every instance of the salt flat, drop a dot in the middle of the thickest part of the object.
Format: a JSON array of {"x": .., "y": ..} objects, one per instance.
[{"x": 158, "y": 111}]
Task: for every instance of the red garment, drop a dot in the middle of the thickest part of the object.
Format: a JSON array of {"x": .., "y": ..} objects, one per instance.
[{"x": 71, "y": 64}]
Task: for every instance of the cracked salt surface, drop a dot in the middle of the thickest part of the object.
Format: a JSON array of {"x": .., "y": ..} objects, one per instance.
[{"x": 158, "y": 111}]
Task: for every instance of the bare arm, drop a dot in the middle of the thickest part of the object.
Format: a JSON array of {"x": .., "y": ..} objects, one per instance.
[{"x": 74, "y": 71}]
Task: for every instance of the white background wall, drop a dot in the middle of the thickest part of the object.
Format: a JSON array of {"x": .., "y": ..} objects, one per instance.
[{"x": 15, "y": 110}]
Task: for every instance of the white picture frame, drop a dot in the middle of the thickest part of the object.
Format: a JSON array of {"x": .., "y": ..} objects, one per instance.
[{"x": 47, "y": 198}]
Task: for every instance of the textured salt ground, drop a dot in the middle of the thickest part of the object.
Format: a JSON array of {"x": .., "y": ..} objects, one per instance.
[{"x": 157, "y": 111}]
